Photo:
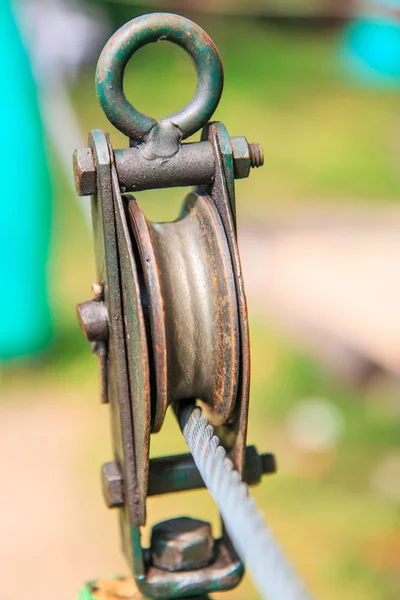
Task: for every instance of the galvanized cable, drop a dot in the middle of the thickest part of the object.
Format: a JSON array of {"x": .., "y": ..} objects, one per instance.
[{"x": 250, "y": 535}]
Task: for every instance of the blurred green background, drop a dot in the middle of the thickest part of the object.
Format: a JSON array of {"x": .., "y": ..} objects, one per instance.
[{"x": 328, "y": 140}]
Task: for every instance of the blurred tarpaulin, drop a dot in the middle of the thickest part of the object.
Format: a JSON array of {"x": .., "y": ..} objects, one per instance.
[
  {"x": 372, "y": 42},
  {"x": 25, "y": 204},
  {"x": 34, "y": 105}
]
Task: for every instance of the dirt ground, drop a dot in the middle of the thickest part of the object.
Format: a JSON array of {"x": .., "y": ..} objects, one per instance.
[
  {"x": 331, "y": 279},
  {"x": 54, "y": 533}
]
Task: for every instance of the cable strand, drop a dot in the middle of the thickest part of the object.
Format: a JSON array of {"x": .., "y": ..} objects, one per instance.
[{"x": 248, "y": 530}]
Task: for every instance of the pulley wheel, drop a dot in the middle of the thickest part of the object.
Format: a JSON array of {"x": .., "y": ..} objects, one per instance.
[{"x": 192, "y": 308}]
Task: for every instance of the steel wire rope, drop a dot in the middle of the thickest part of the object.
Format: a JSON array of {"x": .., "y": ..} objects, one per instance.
[{"x": 256, "y": 546}]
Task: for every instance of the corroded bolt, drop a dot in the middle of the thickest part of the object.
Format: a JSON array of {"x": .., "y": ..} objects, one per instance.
[
  {"x": 245, "y": 156},
  {"x": 257, "y": 465},
  {"x": 268, "y": 463},
  {"x": 111, "y": 479},
  {"x": 93, "y": 319},
  {"x": 256, "y": 155},
  {"x": 84, "y": 171},
  {"x": 182, "y": 544}
]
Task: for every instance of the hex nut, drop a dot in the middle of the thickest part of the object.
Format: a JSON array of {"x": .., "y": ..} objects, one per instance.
[
  {"x": 182, "y": 544},
  {"x": 241, "y": 157},
  {"x": 93, "y": 319},
  {"x": 84, "y": 171},
  {"x": 113, "y": 490}
]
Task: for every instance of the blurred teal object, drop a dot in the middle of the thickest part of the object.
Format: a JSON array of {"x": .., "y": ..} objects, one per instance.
[
  {"x": 372, "y": 42},
  {"x": 25, "y": 203}
]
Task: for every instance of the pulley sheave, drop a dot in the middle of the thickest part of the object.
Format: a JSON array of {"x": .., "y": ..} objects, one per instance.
[{"x": 192, "y": 307}]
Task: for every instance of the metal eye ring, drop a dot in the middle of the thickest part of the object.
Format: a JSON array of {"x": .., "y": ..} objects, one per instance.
[{"x": 148, "y": 29}]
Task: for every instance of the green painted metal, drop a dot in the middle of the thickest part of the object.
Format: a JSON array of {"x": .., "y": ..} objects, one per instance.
[
  {"x": 160, "y": 139},
  {"x": 225, "y": 151},
  {"x": 225, "y": 147},
  {"x": 147, "y": 29}
]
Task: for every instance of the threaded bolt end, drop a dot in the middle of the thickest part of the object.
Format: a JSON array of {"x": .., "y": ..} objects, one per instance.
[
  {"x": 268, "y": 463},
  {"x": 256, "y": 155}
]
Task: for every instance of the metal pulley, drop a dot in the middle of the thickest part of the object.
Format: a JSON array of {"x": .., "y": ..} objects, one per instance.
[{"x": 168, "y": 317}]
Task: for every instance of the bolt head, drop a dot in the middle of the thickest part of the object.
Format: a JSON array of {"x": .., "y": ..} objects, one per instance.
[
  {"x": 111, "y": 479},
  {"x": 182, "y": 544},
  {"x": 84, "y": 171},
  {"x": 93, "y": 319},
  {"x": 241, "y": 157}
]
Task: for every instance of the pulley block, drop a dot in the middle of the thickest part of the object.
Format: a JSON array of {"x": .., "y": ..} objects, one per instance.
[{"x": 168, "y": 317}]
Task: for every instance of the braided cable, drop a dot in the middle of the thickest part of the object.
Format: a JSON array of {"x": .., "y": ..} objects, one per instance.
[{"x": 250, "y": 535}]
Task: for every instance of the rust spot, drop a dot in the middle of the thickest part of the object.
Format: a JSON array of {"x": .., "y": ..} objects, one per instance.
[{"x": 116, "y": 589}]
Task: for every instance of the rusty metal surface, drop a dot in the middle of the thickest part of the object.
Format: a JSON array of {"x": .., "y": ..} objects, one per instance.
[
  {"x": 100, "y": 349},
  {"x": 193, "y": 311},
  {"x": 224, "y": 573},
  {"x": 234, "y": 433},
  {"x": 107, "y": 264},
  {"x": 84, "y": 169},
  {"x": 182, "y": 544},
  {"x": 120, "y": 588},
  {"x": 192, "y": 164},
  {"x": 113, "y": 489},
  {"x": 137, "y": 352},
  {"x": 93, "y": 319},
  {"x": 169, "y": 315}
]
